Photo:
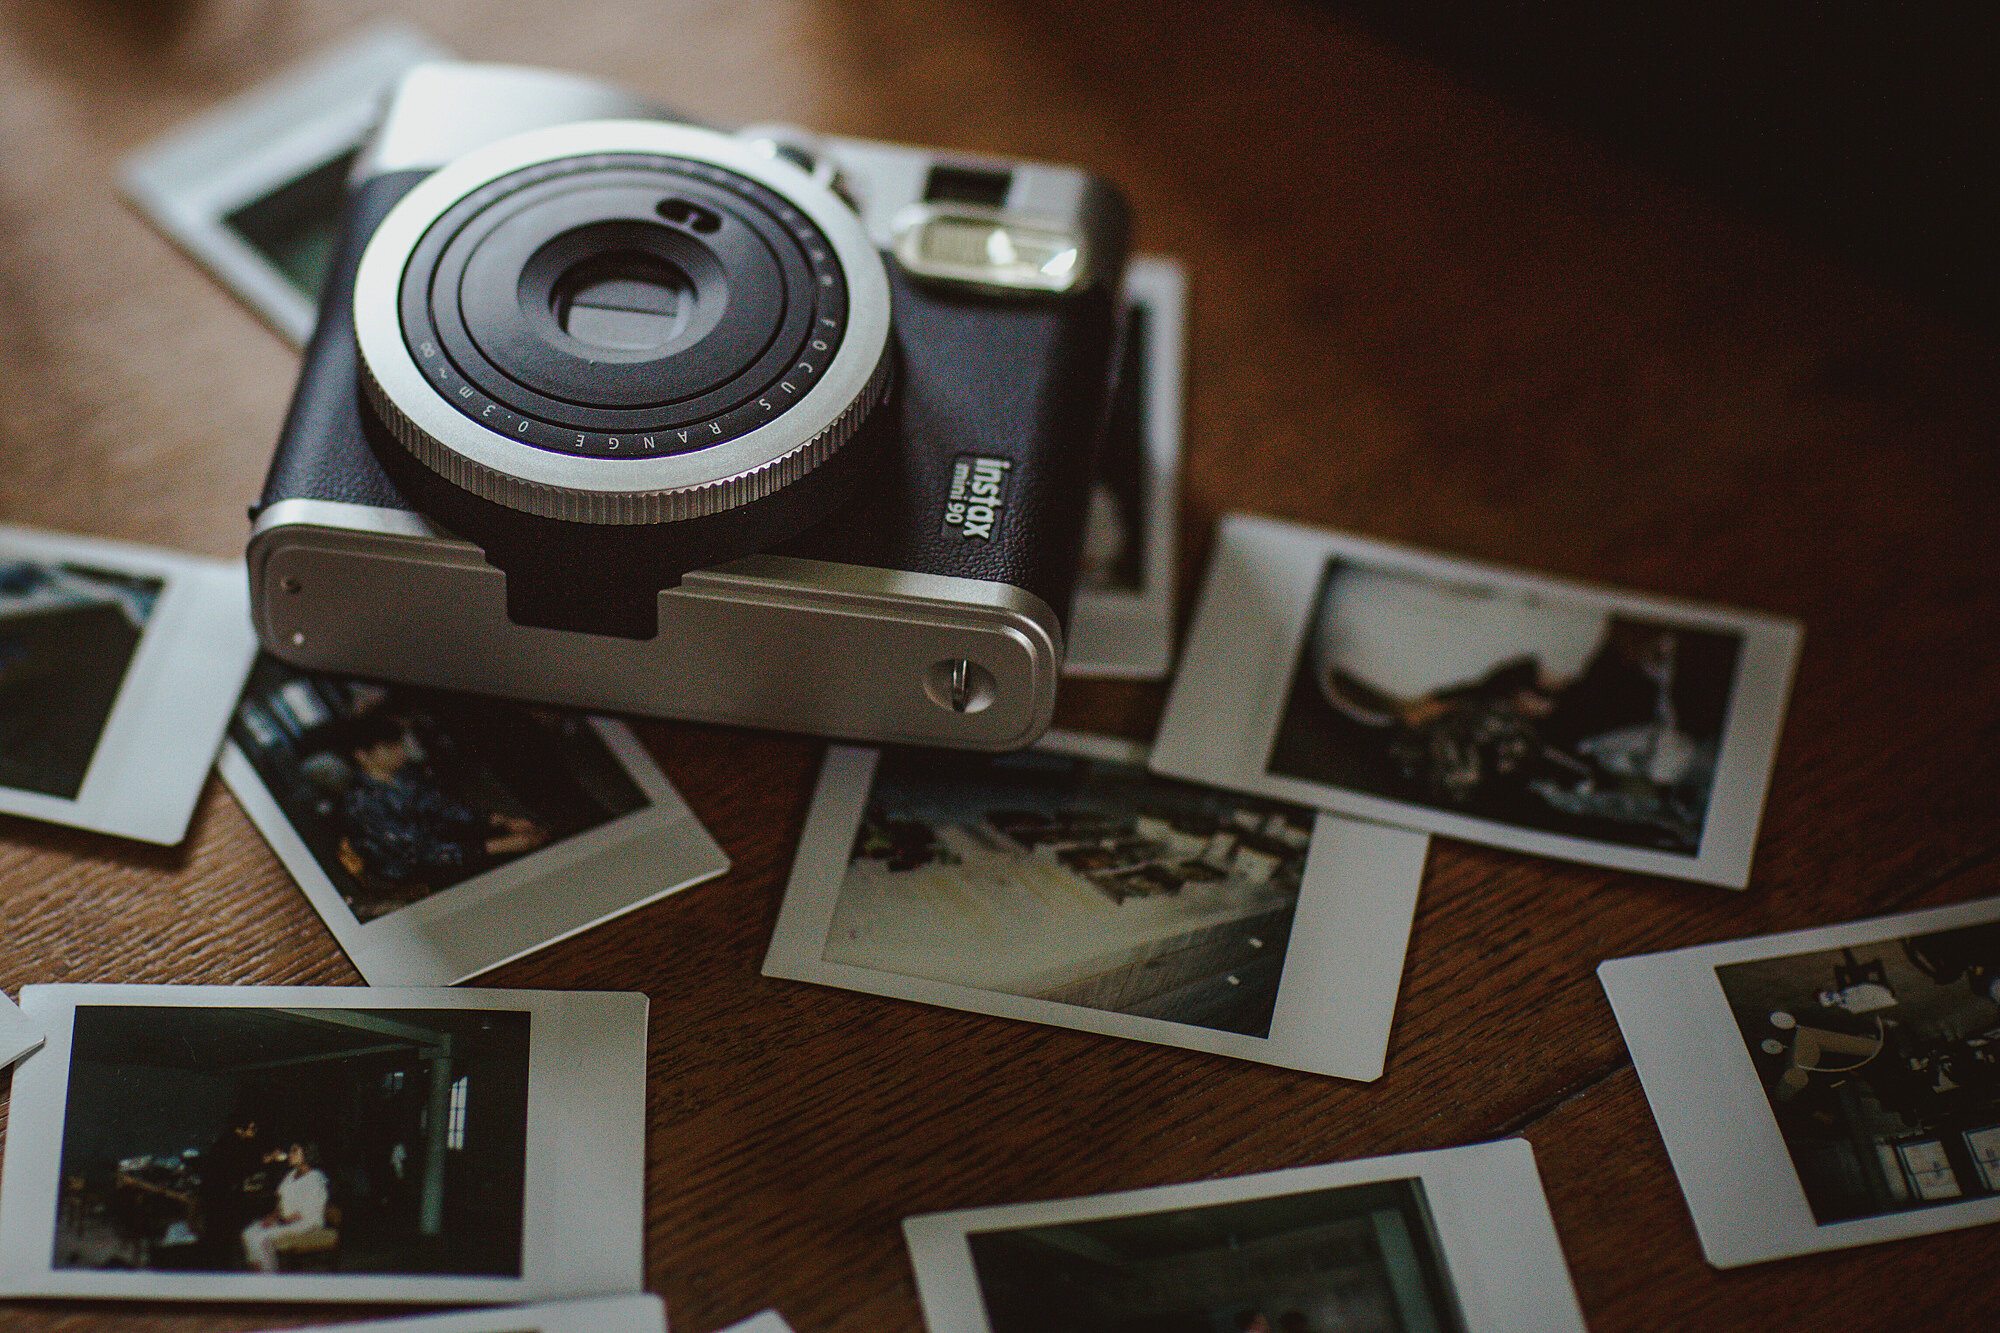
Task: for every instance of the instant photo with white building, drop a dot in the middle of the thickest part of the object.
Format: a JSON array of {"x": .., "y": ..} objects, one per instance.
[
  {"x": 1067, "y": 884},
  {"x": 118, "y": 667},
  {"x": 1481, "y": 703},
  {"x": 441, "y": 834},
  {"x": 326, "y": 1143},
  {"x": 1458, "y": 1241},
  {"x": 1825, "y": 1088}
]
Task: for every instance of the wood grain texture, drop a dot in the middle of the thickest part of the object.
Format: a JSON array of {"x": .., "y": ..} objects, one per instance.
[{"x": 1415, "y": 314}]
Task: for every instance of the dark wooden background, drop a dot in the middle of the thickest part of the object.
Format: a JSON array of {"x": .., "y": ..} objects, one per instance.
[{"x": 1417, "y": 314}]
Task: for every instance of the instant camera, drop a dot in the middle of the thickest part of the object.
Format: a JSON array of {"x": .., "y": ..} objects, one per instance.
[{"x": 612, "y": 410}]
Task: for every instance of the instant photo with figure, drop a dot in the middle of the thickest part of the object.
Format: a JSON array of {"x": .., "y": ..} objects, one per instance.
[
  {"x": 1068, "y": 884},
  {"x": 1448, "y": 1242},
  {"x": 1489, "y": 705},
  {"x": 324, "y": 1143},
  {"x": 1827, "y": 1088},
  {"x": 117, "y": 666},
  {"x": 440, "y": 834}
]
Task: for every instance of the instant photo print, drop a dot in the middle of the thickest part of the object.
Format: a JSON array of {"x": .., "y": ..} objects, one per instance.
[
  {"x": 253, "y": 190},
  {"x": 118, "y": 667},
  {"x": 768, "y": 1322},
  {"x": 614, "y": 1314},
  {"x": 326, "y": 1144},
  {"x": 1122, "y": 624},
  {"x": 440, "y": 835},
  {"x": 17, "y": 1035},
  {"x": 1481, "y": 703},
  {"x": 1826, "y": 1088},
  {"x": 1458, "y": 1241},
  {"x": 1069, "y": 885}
]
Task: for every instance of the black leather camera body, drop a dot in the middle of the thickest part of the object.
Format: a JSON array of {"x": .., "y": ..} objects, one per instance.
[{"x": 611, "y": 410}]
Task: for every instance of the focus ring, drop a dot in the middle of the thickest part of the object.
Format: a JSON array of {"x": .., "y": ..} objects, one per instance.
[{"x": 671, "y": 505}]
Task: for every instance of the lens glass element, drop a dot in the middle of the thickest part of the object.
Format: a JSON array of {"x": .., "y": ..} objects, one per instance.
[{"x": 629, "y": 301}]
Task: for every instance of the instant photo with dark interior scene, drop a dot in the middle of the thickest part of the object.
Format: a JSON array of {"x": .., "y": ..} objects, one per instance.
[
  {"x": 1508, "y": 706},
  {"x": 1114, "y": 534},
  {"x": 401, "y": 792},
  {"x": 333, "y": 1141},
  {"x": 1881, "y": 1063},
  {"x": 68, "y": 633},
  {"x": 1075, "y": 880},
  {"x": 1358, "y": 1257}
]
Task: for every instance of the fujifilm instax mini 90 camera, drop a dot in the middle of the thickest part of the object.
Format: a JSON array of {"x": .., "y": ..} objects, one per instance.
[{"x": 615, "y": 411}]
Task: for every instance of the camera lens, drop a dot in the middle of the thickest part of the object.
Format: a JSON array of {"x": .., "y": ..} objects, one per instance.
[
  {"x": 712, "y": 318},
  {"x": 622, "y": 335}
]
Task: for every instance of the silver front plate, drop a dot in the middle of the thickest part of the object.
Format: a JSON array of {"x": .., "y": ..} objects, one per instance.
[{"x": 797, "y": 645}]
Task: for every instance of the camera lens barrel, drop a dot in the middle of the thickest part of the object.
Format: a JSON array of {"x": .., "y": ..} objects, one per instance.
[{"x": 623, "y": 322}]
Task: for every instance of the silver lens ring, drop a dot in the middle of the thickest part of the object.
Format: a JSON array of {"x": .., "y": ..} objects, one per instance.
[{"x": 831, "y": 403}]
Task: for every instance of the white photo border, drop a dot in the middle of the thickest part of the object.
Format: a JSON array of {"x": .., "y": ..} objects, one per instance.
[
  {"x": 767, "y": 1321},
  {"x": 18, "y": 1036},
  {"x": 1728, "y": 1153},
  {"x": 642, "y": 1313},
  {"x": 159, "y": 742},
  {"x": 1500, "y": 1246},
  {"x": 513, "y": 909},
  {"x": 1229, "y": 696},
  {"x": 583, "y": 1214},
  {"x": 1343, "y": 966},
  {"x": 1118, "y": 633}
]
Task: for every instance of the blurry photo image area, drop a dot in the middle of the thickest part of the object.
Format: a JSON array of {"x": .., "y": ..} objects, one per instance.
[
  {"x": 294, "y": 1140},
  {"x": 1114, "y": 532},
  {"x": 1507, "y": 706},
  {"x": 68, "y": 634},
  {"x": 296, "y": 226},
  {"x": 401, "y": 792},
  {"x": 1359, "y": 1259},
  {"x": 1882, "y": 1067},
  {"x": 1077, "y": 881}
]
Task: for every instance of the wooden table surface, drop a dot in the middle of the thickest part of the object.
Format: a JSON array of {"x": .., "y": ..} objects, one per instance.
[{"x": 1416, "y": 315}]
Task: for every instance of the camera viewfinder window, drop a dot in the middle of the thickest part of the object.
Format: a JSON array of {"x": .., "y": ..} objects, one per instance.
[{"x": 964, "y": 185}]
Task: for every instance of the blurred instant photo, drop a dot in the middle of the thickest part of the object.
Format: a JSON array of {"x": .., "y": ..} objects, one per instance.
[
  {"x": 326, "y": 1143},
  {"x": 118, "y": 667},
  {"x": 1122, "y": 623},
  {"x": 1067, "y": 884},
  {"x": 443, "y": 834},
  {"x": 17, "y": 1035},
  {"x": 1458, "y": 1241},
  {"x": 612, "y": 1314},
  {"x": 1827, "y": 1088},
  {"x": 1493, "y": 706},
  {"x": 768, "y": 1322},
  {"x": 253, "y": 190}
]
